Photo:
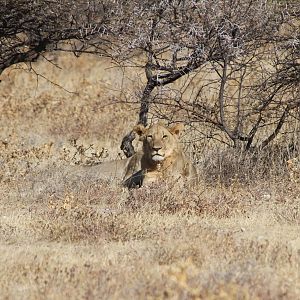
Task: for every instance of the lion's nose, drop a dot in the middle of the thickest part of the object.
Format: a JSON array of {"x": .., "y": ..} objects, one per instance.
[{"x": 156, "y": 148}]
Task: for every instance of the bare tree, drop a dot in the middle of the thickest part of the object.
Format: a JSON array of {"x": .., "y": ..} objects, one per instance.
[
  {"x": 248, "y": 61},
  {"x": 28, "y": 28},
  {"x": 252, "y": 90}
]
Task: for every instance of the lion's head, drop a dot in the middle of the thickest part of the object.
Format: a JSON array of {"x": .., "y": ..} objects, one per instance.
[
  {"x": 161, "y": 159},
  {"x": 159, "y": 142}
]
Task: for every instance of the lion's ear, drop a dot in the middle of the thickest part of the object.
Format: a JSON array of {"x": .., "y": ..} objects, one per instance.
[
  {"x": 139, "y": 129},
  {"x": 177, "y": 128}
]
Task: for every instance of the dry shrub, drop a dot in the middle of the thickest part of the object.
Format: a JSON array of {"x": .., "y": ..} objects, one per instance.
[
  {"x": 228, "y": 166},
  {"x": 169, "y": 198},
  {"x": 184, "y": 285},
  {"x": 247, "y": 274},
  {"x": 83, "y": 213}
]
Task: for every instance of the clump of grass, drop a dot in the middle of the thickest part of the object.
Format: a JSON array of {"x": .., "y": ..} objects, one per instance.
[
  {"x": 173, "y": 199},
  {"x": 229, "y": 166}
]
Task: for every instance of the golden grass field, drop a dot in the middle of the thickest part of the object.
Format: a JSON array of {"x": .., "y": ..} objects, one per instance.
[{"x": 234, "y": 236}]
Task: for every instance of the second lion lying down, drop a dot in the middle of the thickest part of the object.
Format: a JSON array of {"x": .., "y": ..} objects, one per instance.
[{"x": 161, "y": 159}]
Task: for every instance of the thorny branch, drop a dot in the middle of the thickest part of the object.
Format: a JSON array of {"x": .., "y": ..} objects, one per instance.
[{"x": 177, "y": 39}]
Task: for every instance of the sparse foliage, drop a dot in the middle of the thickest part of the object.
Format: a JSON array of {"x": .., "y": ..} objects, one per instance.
[
  {"x": 30, "y": 28},
  {"x": 246, "y": 61},
  {"x": 230, "y": 66}
]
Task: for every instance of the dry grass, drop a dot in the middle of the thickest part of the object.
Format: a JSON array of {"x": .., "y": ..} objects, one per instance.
[{"x": 234, "y": 236}]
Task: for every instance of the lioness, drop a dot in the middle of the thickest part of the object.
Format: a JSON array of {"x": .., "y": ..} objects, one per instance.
[{"x": 161, "y": 158}]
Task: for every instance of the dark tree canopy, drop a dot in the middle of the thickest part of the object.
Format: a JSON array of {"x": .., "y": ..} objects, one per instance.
[{"x": 29, "y": 28}]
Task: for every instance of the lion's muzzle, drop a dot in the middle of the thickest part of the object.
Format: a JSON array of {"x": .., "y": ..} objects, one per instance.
[{"x": 157, "y": 157}]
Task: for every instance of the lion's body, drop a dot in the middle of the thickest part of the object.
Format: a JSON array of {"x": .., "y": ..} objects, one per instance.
[
  {"x": 115, "y": 170},
  {"x": 161, "y": 159}
]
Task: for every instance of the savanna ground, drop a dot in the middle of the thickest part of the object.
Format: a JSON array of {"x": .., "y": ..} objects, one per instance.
[{"x": 234, "y": 236}]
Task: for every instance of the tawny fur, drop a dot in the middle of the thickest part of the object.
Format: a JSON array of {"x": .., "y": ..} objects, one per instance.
[{"x": 161, "y": 159}]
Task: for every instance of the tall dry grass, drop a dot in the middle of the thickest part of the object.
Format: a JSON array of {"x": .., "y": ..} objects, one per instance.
[{"x": 234, "y": 236}]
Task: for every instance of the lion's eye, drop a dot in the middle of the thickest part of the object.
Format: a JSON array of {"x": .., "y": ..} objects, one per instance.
[
  {"x": 149, "y": 136},
  {"x": 165, "y": 136}
]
